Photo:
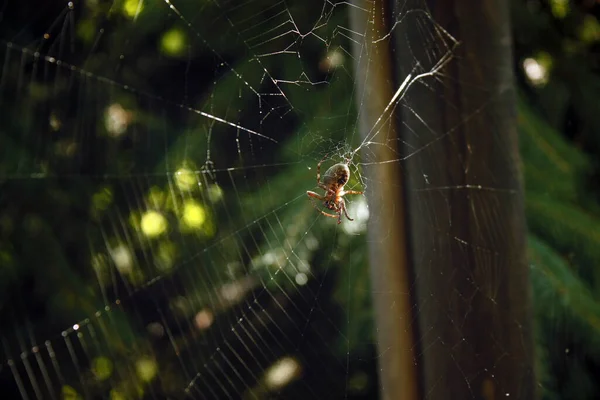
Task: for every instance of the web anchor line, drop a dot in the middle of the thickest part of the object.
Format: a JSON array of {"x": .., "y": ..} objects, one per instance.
[
  {"x": 399, "y": 95},
  {"x": 59, "y": 63}
]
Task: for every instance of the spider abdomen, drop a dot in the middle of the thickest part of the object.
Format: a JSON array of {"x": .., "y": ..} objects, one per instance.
[{"x": 337, "y": 175}]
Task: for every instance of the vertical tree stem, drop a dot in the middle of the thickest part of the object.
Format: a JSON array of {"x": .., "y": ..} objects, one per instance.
[{"x": 388, "y": 249}]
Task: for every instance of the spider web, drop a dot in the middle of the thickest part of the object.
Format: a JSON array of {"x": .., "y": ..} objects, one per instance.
[{"x": 155, "y": 162}]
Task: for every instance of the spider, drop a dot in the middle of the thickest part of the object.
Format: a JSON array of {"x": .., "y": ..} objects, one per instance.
[{"x": 333, "y": 183}]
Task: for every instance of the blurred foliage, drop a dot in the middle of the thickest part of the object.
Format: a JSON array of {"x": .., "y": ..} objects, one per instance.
[
  {"x": 123, "y": 211},
  {"x": 560, "y": 145}
]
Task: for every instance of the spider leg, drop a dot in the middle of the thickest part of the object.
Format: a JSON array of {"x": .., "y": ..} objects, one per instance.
[
  {"x": 351, "y": 192},
  {"x": 319, "y": 170},
  {"x": 343, "y": 206},
  {"x": 315, "y": 195},
  {"x": 321, "y": 211},
  {"x": 329, "y": 215},
  {"x": 319, "y": 183}
]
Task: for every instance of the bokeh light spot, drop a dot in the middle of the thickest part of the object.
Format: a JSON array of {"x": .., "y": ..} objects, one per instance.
[
  {"x": 173, "y": 42},
  {"x": 537, "y": 69},
  {"x": 146, "y": 369},
  {"x": 560, "y": 8},
  {"x": 301, "y": 278},
  {"x": 123, "y": 259},
  {"x": 185, "y": 179},
  {"x": 102, "y": 368},
  {"x": 282, "y": 372},
  {"x": 153, "y": 224},
  {"x": 215, "y": 193},
  {"x": 167, "y": 252},
  {"x": 590, "y": 29},
  {"x": 194, "y": 215},
  {"x": 117, "y": 395},
  {"x": 132, "y": 8},
  {"x": 204, "y": 319},
  {"x": 69, "y": 393},
  {"x": 117, "y": 119},
  {"x": 102, "y": 199}
]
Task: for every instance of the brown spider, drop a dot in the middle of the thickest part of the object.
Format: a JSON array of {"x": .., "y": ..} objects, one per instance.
[{"x": 333, "y": 183}]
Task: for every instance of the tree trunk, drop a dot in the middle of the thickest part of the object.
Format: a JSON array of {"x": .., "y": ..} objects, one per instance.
[
  {"x": 389, "y": 247},
  {"x": 388, "y": 244},
  {"x": 447, "y": 229}
]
